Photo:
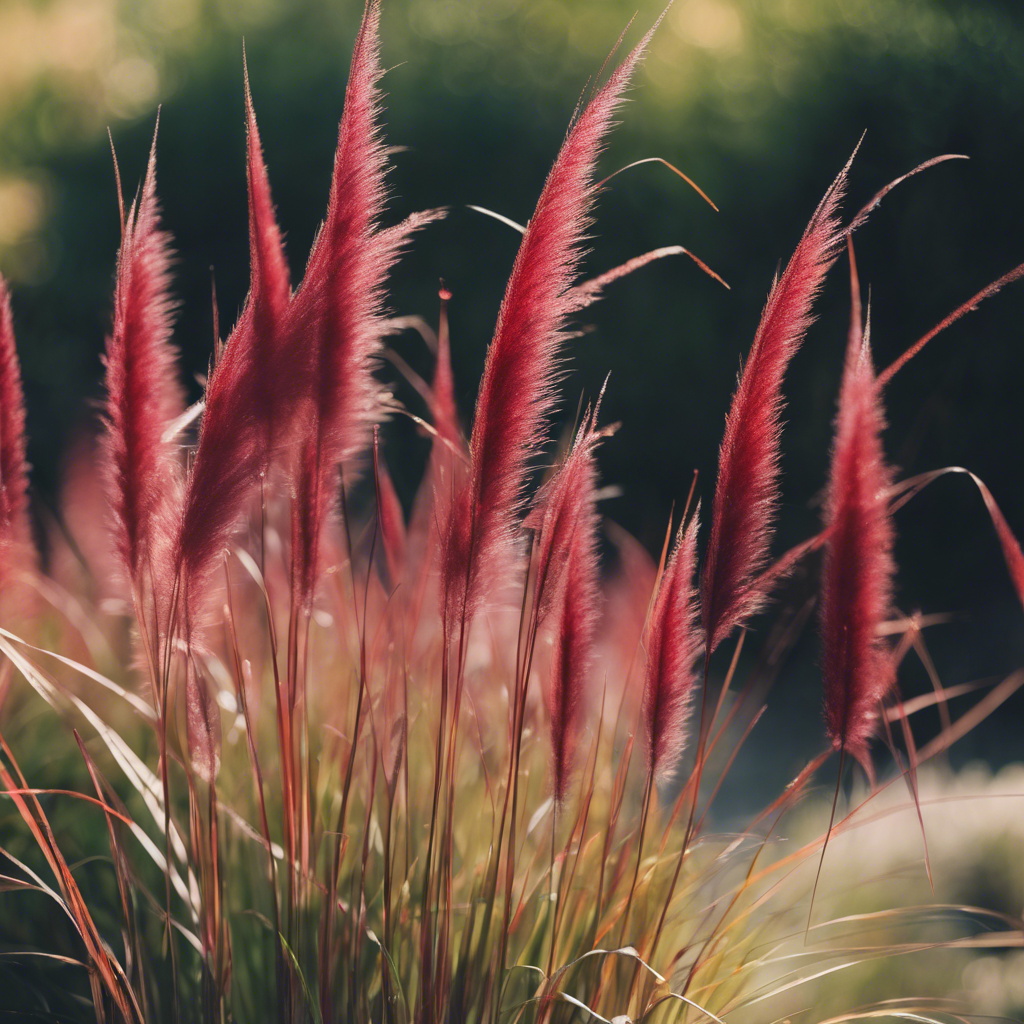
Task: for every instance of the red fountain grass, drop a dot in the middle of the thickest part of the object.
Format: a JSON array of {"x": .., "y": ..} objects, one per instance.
[
  {"x": 567, "y": 590},
  {"x": 517, "y": 393},
  {"x": 250, "y": 393},
  {"x": 144, "y": 398},
  {"x": 857, "y": 576},
  {"x": 673, "y": 645},
  {"x": 15, "y": 532},
  {"x": 747, "y": 490},
  {"x": 338, "y": 308},
  {"x": 442, "y": 818}
]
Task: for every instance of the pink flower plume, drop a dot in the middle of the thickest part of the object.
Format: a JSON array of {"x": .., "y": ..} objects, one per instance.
[
  {"x": 747, "y": 491},
  {"x": 144, "y": 396},
  {"x": 856, "y": 590},
  {"x": 15, "y": 532},
  {"x": 673, "y": 646},
  {"x": 338, "y": 309},
  {"x": 568, "y": 567},
  {"x": 517, "y": 392},
  {"x": 250, "y": 393}
]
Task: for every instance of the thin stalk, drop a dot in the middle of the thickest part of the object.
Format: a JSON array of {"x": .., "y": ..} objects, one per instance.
[
  {"x": 523, "y": 659},
  {"x": 327, "y": 973},
  {"x": 824, "y": 845},
  {"x": 386, "y": 907},
  {"x": 229, "y": 625},
  {"x": 645, "y": 811},
  {"x": 698, "y": 771}
]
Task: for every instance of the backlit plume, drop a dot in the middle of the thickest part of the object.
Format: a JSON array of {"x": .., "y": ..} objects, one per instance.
[
  {"x": 15, "y": 532},
  {"x": 673, "y": 646},
  {"x": 856, "y": 588},
  {"x": 338, "y": 308},
  {"x": 517, "y": 393},
  {"x": 747, "y": 490},
  {"x": 144, "y": 398},
  {"x": 250, "y": 398}
]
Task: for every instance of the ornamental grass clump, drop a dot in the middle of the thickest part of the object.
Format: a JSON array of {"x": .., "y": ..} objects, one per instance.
[{"x": 352, "y": 765}]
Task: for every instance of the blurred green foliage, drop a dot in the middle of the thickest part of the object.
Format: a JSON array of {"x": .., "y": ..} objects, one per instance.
[{"x": 760, "y": 101}]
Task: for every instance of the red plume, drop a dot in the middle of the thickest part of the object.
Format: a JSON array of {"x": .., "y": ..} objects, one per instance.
[
  {"x": 15, "y": 532},
  {"x": 250, "y": 394},
  {"x": 856, "y": 591},
  {"x": 569, "y": 568},
  {"x": 517, "y": 392},
  {"x": 747, "y": 491},
  {"x": 338, "y": 309},
  {"x": 144, "y": 397},
  {"x": 673, "y": 645}
]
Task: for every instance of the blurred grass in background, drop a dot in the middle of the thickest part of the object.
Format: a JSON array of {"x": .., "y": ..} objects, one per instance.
[{"x": 760, "y": 101}]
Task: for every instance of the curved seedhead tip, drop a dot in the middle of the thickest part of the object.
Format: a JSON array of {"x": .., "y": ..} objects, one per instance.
[
  {"x": 117, "y": 182},
  {"x": 867, "y": 209},
  {"x": 672, "y": 167},
  {"x": 972, "y": 303}
]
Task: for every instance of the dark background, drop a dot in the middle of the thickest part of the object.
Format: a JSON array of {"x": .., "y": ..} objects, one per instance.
[{"x": 760, "y": 101}]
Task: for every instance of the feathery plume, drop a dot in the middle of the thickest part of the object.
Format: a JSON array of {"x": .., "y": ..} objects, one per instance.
[
  {"x": 673, "y": 645},
  {"x": 517, "y": 392},
  {"x": 571, "y": 523},
  {"x": 15, "y": 533},
  {"x": 561, "y": 505},
  {"x": 747, "y": 490},
  {"x": 856, "y": 589},
  {"x": 251, "y": 390},
  {"x": 144, "y": 396},
  {"x": 338, "y": 308}
]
